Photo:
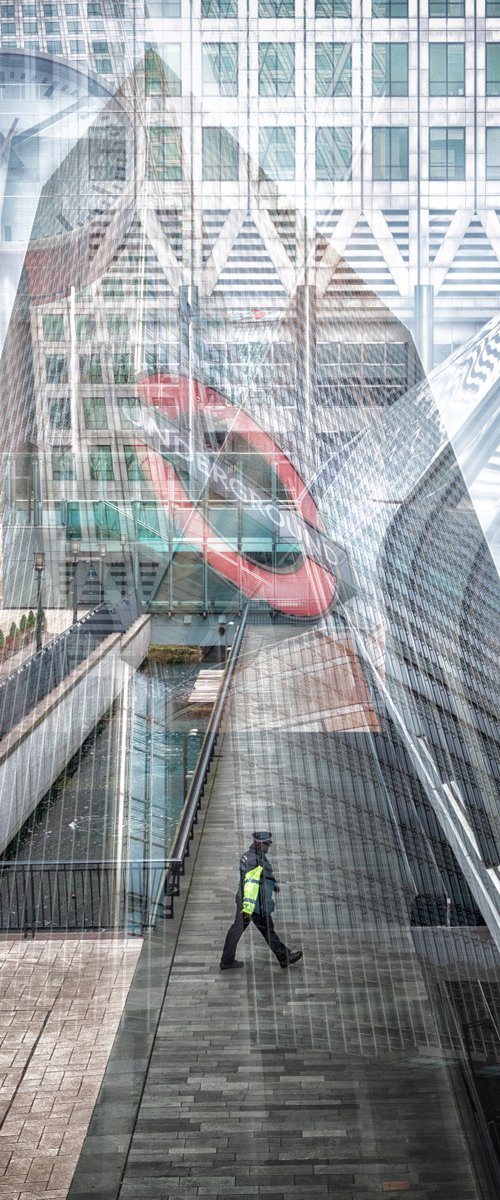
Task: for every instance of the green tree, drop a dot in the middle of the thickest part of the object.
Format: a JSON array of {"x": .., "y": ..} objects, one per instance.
[
  {"x": 31, "y": 622},
  {"x": 2, "y": 640},
  {"x": 22, "y": 624},
  {"x": 13, "y": 631}
]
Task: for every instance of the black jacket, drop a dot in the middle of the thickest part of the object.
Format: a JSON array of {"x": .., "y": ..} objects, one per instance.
[{"x": 258, "y": 858}]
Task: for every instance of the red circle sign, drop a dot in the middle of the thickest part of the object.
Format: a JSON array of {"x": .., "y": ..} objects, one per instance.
[{"x": 306, "y": 590}]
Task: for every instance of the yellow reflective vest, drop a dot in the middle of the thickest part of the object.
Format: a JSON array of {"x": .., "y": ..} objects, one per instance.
[{"x": 251, "y": 888}]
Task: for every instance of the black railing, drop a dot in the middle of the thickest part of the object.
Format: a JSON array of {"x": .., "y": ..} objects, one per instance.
[
  {"x": 133, "y": 895},
  {"x": 21, "y": 691},
  {"x": 189, "y": 816},
  {"x": 38, "y": 897}
]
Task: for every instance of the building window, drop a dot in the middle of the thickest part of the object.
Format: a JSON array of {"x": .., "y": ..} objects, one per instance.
[
  {"x": 68, "y": 516},
  {"x": 136, "y": 465},
  {"x": 493, "y": 153},
  {"x": 101, "y": 463},
  {"x": 107, "y": 152},
  {"x": 219, "y": 8},
  {"x": 165, "y": 155},
  {"x": 220, "y": 69},
  {"x": 390, "y": 68},
  {"x": 446, "y": 153},
  {"x": 51, "y": 27},
  {"x": 333, "y": 8},
  {"x": 333, "y": 69},
  {"x": 86, "y": 328},
  {"x": 54, "y": 47},
  {"x": 220, "y": 153},
  {"x": 102, "y": 60},
  {"x": 146, "y": 524},
  {"x": 94, "y": 9},
  {"x": 446, "y": 69},
  {"x": 493, "y": 69},
  {"x": 123, "y": 368},
  {"x": 53, "y": 327},
  {"x": 333, "y": 153},
  {"x": 446, "y": 8},
  {"x": 389, "y": 8},
  {"x": 106, "y": 521},
  {"x": 77, "y": 46},
  {"x": 60, "y": 414},
  {"x": 118, "y": 328},
  {"x": 94, "y": 411},
  {"x": 130, "y": 411},
  {"x": 390, "y": 152},
  {"x": 162, "y": 72},
  {"x": 63, "y": 464},
  {"x": 164, "y": 8},
  {"x": 493, "y": 8},
  {"x": 90, "y": 368},
  {"x": 276, "y": 8},
  {"x": 277, "y": 152},
  {"x": 276, "y": 69},
  {"x": 112, "y": 287},
  {"x": 56, "y": 368}
]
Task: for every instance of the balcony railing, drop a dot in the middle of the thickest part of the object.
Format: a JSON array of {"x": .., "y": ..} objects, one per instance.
[{"x": 21, "y": 691}]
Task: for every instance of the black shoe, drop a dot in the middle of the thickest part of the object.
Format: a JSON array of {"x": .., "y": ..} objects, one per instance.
[
  {"x": 291, "y": 958},
  {"x": 230, "y": 965}
]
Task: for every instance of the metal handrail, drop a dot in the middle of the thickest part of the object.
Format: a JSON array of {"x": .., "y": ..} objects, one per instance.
[
  {"x": 82, "y": 896},
  {"x": 25, "y": 686},
  {"x": 189, "y": 815},
  {"x": 100, "y": 894}
]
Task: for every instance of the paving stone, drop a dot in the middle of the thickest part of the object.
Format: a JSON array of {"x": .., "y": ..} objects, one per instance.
[{"x": 292, "y": 1084}]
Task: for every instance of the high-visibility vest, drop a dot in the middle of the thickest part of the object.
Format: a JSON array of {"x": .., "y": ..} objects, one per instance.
[{"x": 251, "y": 887}]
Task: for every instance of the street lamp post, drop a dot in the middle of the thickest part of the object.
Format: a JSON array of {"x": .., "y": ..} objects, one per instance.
[
  {"x": 102, "y": 552},
  {"x": 229, "y": 645},
  {"x": 75, "y": 550},
  {"x": 39, "y": 566},
  {"x": 123, "y": 543},
  {"x": 188, "y": 775},
  {"x": 222, "y": 648}
]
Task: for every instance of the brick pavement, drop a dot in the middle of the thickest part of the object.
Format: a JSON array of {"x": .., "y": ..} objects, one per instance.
[
  {"x": 330, "y": 1079},
  {"x": 60, "y": 1004}
]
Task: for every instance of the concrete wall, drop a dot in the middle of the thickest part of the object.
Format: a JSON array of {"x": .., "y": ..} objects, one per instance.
[{"x": 35, "y": 752}]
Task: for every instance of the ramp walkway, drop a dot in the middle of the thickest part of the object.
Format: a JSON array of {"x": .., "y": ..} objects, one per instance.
[{"x": 327, "y": 1079}]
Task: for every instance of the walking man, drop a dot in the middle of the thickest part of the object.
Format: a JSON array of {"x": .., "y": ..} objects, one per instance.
[{"x": 255, "y": 902}]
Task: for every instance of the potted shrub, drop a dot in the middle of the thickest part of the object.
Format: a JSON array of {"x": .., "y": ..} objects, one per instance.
[
  {"x": 10, "y": 640},
  {"x": 22, "y": 627},
  {"x": 2, "y": 642}
]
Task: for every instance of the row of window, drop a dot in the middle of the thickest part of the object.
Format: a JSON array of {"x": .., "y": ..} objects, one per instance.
[
  {"x": 266, "y": 8},
  {"x": 333, "y": 69},
  {"x": 95, "y": 410},
  {"x": 323, "y": 8},
  {"x": 333, "y": 153},
  {"x": 101, "y": 468},
  {"x": 108, "y": 520}
]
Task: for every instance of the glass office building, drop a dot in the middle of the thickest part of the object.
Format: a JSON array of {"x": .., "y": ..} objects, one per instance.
[{"x": 251, "y": 276}]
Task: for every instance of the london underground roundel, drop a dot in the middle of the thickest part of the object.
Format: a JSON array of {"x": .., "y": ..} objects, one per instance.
[{"x": 308, "y": 588}]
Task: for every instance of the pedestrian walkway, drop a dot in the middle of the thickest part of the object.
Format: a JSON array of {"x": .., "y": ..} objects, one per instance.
[
  {"x": 328, "y": 1079},
  {"x": 60, "y": 1004}
]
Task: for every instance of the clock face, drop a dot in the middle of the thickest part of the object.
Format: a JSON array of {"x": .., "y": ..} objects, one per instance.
[
  {"x": 66, "y": 155},
  {"x": 46, "y": 107}
]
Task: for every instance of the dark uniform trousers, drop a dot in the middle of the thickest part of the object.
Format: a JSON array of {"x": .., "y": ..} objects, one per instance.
[{"x": 265, "y": 926}]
